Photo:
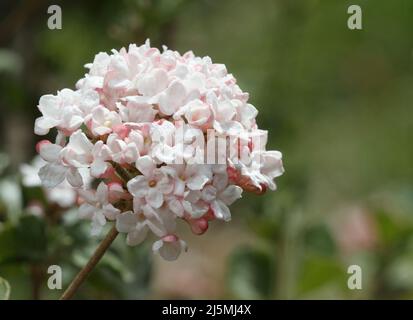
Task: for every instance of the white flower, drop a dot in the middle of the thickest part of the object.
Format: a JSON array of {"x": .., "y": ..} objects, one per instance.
[
  {"x": 152, "y": 83},
  {"x": 136, "y": 111},
  {"x": 169, "y": 247},
  {"x": 162, "y": 141},
  {"x": 122, "y": 151},
  {"x": 54, "y": 172},
  {"x": 152, "y": 184},
  {"x": 263, "y": 168},
  {"x": 64, "y": 110},
  {"x": 97, "y": 207},
  {"x": 134, "y": 225},
  {"x": 172, "y": 98},
  {"x": 197, "y": 114},
  {"x": 271, "y": 167},
  {"x": 220, "y": 195},
  {"x": 100, "y": 65},
  {"x": 143, "y": 218},
  {"x": 80, "y": 152},
  {"x": 192, "y": 176},
  {"x": 161, "y": 223},
  {"x": 194, "y": 205},
  {"x": 59, "y": 111},
  {"x": 103, "y": 121}
]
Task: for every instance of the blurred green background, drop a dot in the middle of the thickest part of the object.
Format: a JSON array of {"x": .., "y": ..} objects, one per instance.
[{"x": 336, "y": 102}]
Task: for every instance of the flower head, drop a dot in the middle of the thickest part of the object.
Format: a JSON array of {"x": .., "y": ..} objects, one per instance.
[{"x": 167, "y": 136}]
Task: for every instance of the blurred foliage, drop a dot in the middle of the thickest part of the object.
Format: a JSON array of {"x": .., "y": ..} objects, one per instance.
[
  {"x": 250, "y": 273},
  {"x": 336, "y": 102},
  {"x": 4, "y": 289},
  {"x": 30, "y": 243}
]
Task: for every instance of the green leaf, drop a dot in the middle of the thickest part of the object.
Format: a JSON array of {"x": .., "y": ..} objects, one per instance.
[
  {"x": 317, "y": 272},
  {"x": 5, "y": 289},
  {"x": 319, "y": 239},
  {"x": 24, "y": 241},
  {"x": 391, "y": 228},
  {"x": 251, "y": 274},
  {"x": 10, "y": 61}
]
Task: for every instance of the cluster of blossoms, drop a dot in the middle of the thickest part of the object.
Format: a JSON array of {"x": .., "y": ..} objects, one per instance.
[{"x": 166, "y": 136}]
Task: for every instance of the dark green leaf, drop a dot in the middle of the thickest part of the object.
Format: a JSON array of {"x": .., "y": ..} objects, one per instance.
[
  {"x": 251, "y": 274},
  {"x": 23, "y": 241}
]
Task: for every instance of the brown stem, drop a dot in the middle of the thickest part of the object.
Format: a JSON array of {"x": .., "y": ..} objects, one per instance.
[
  {"x": 36, "y": 277},
  {"x": 97, "y": 255},
  {"x": 122, "y": 172}
]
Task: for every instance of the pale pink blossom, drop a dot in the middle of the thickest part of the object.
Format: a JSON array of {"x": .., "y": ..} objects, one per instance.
[
  {"x": 169, "y": 247},
  {"x": 80, "y": 152},
  {"x": 103, "y": 121},
  {"x": 168, "y": 137},
  {"x": 152, "y": 184},
  {"x": 97, "y": 207},
  {"x": 54, "y": 171}
]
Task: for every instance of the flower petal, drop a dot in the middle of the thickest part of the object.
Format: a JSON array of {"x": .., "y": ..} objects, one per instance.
[
  {"x": 172, "y": 98},
  {"x": 79, "y": 143},
  {"x": 52, "y": 174},
  {"x": 126, "y": 222},
  {"x": 74, "y": 178},
  {"x": 230, "y": 194},
  {"x": 154, "y": 198},
  {"x": 136, "y": 236},
  {"x": 197, "y": 182},
  {"x": 49, "y": 105},
  {"x": 86, "y": 211},
  {"x": 98, "y": 168},
  {"x": 176, "y": 207},
  {"x": 221, "y": 211},
  {"x": 102, "y": 193},
  {"x": 138, "y": 186},
  {"x": 49, "y": 151},
  {"x": 110, "y": 211},
  {"x": 42, "y": 125},
  {"x": 98, "y": 221},
  {"x": 170, "y": 251},
  {"x": 146, "y": 165}
]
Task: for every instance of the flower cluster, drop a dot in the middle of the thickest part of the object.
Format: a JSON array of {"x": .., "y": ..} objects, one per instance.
[{"x": 166, "y": 136}]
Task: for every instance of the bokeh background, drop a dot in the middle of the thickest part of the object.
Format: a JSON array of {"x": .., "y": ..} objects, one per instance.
[{"x": 337, "y": 103}]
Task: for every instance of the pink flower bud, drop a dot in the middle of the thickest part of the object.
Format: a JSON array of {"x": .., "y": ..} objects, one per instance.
[
  {"x": 40, "y": 144},
  {"x": 121, "y": 130}
]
